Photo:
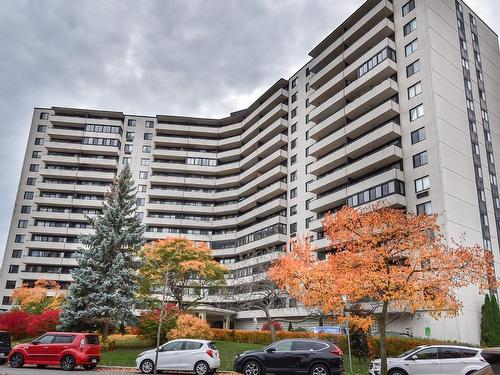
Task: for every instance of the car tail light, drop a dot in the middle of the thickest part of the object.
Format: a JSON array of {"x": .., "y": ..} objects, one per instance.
[
  {"x": 336, "y": 350},
  {"x": 210, "y": 352},
  {"x": 82, "y": 343}
]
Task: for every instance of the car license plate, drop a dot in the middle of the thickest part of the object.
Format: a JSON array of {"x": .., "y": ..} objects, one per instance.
[{"x": 94, "y": 360}]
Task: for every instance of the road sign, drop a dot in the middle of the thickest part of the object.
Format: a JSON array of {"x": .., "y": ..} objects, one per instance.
[{"x": 428, "y": 331}]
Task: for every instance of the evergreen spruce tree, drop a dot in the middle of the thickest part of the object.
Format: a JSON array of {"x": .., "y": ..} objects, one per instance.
[
  {"x": 495, "y": 313},
  {"x": 485, "y": 321},
  {"x": 105, "y": 283}
]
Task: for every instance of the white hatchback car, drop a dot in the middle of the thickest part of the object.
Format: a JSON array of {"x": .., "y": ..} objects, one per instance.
[
  {"x": 198, "y": 356},
  {"x": 433, "y": 360}
]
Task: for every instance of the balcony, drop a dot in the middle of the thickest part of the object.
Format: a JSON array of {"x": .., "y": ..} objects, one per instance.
[
  {"x": 339, "y": 197},
  {"x": 357, "y": 169},
  {"x": 356, "y": 148},
  {"x": 79, "y": 121}
]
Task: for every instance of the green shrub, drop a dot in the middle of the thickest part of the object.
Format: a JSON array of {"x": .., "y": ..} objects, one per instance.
[{"x": 128, "y": 341}]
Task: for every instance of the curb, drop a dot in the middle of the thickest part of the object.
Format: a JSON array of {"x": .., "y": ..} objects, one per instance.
[{"x": 104, "y": 368}]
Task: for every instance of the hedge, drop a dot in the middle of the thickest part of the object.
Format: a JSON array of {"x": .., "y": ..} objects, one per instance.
[{"x": 395, "y": 345}]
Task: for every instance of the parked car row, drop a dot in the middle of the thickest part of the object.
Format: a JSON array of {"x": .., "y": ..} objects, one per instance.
[{"x": 292, "y": 356}]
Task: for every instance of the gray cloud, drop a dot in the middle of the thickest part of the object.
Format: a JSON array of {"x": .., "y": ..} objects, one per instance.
[{"x": 192, "y": 57}]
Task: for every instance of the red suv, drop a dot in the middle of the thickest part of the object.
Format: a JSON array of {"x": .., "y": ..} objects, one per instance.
[{"x": 65, "y": 349}]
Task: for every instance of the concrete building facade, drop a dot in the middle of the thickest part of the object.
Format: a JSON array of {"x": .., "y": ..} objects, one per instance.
[{"x": 400, "y": 103}]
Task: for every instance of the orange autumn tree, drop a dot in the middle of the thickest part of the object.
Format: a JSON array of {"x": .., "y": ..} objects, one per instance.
[
  {"x": 44, "y": 296},
  {"x": 180, "y": 264},
  {"x": 382, "y": 258}
]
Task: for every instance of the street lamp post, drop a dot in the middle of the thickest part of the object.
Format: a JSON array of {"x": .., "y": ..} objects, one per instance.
[{"x": 345, "y": 300}]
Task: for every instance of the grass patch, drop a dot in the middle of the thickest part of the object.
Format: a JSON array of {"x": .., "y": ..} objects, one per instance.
[{"x": 227, "y": 351}]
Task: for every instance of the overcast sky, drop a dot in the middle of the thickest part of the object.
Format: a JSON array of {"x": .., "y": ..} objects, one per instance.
[{"x": 185, "y": 57}]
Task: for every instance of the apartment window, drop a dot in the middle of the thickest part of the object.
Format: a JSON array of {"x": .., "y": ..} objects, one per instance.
[
  {"x": 484, "y": 220},
  {"x": 34, "y": 167},
  {"x": 148, "y": 136},
  {"x": 293, "y": 144},
  {"x": 140, "y": 201},
  {"x": 294, "y": 82},
  {"x": 142, "y": 188},
  {"x": 293, "y": 193},
  {"x": 478, "y": 57},
  {"x": 19, "y": 238},
  {"x": 126, "y": 161},
  {"x": 473, "y": 126},
  {"x": 22, "y": 224},
  {"x": 150, "y": 124},
  {"x": 482, "y": 94},
  {"x": 479, "y": 171},
  {"x": 308, "y": 222},
  {"x": 146, "y": 149},
  {"x": 294, "y": 113},
  {"x": 139, "y": 215},
  {"x": 293, "y": 160},
  {"x": 308, "y": 203},
  {"x": 482, "y": 196},
  {"x": 420, "y": 159},
  {"x": 31, "y": 181},
  {"x": 375, "y": 60},
  {"x": 459, "y": 7},
  {"x": 308, "y": 184},
  {"x": 480, "y": 76},
  {"x": 307, "y": 151},
  {"x": 41, "y": 128},
  {"x": 132, "y": 122},
  {"x": 410, "y": 26},
  {"x": 418, "y": 135},
  {"x": 424, "y": 208},
  {"x": 468, "y": 84},
  {"x": 465, "y": 63},
  {"x": 411, "y": 47},
  {"x": 143, "y": 175},
  {"x": 497, "y": 203},
  {"x": 293, "y": 228},
  {"x": 307, "y": 135},
  {"x": 307, "y": 86},
  {"x": 10, "y": 284},
  {"x": 25, "y": 209},
  {"x": 460, "y": 24},
  {"x": 36, "y": 154},
  {"x": 308, "y": 71},
  {"x": 308, "y": 166},
  {"x": 415, "y": 90},
  {"x": 130, "y": 136},
  {"x": 44, "y": 116},
  {"x": 145, "y": 161},
  {"x": 463, "y": 44},
  {"x": 488, "y": 136},
  {"x": 484, "y": 115},
  {"x": 307, "y": 102},
  {"x": 28, "y": 195},
  {"x": 408, "y": 7},
  {"x": 293, "y": 210},
  {"x": 422, "y": 184},
  {"x": 294, "y": 128},
  {"x": 413, "y": 68},
  {"x": 493, "y": 179},
  {"x": 470, "y": 104},
  {"x": 307, "y": 119},
  {"x": 39, "y": 141},
  {"x": 17, "y": 253},
  {"x": 128, "y": 148},
  {"x": 416, "y": 112},
  {"x": 490, "y": 157},
  {"x": 475, "y": 147},
  {"x": 293, "y": 176},
  {"x": 294, "y": 98},
  {"x": 6, "y": 300}
]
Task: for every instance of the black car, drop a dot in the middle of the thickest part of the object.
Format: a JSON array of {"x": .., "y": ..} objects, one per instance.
[
  {"x": 5, "y": 346},
  {"x": 293, "y": 356}
]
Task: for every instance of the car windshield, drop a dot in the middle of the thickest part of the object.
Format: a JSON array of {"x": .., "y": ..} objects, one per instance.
[{"x": 404, "y": 354}]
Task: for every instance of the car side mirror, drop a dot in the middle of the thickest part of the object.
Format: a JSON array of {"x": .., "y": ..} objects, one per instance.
[
  {"x": 35, "y": 342},
  {"x": 414, "y": 357},
  {"x": 270, "y": 350}
]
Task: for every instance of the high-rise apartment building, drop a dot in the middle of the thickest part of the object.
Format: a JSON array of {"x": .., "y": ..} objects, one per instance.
[{"x": 400, "y": 103}]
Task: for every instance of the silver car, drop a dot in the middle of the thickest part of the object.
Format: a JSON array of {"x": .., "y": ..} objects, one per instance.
[{"x": 433, "y": 360}]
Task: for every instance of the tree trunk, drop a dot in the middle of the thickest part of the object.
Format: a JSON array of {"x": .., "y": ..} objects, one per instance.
[
  {"x": 162, "y": 312},
  {"x": 105, "y": 331},
  {"x": 383, "y": 346},
  {"x": 271, "y": 326}
]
